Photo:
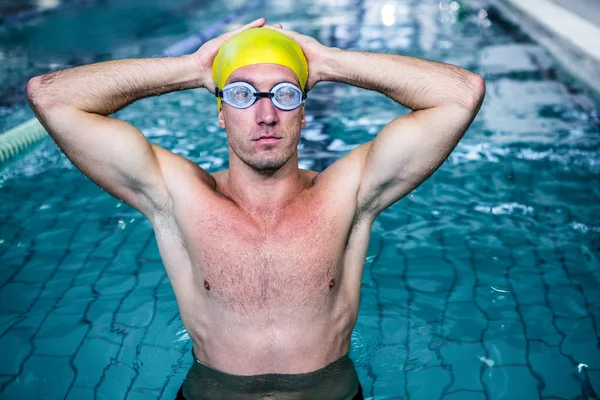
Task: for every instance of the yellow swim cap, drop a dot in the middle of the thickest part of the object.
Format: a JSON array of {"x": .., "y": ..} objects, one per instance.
[{"x": 258, "y": 46}]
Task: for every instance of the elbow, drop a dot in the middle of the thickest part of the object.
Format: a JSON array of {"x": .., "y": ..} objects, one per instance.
[
  {"x": 475, "y": 94},
  {"x": 33, "y": 87},
  {"x": 34, "y": 92},
  {"x": 41, "y": 96}
]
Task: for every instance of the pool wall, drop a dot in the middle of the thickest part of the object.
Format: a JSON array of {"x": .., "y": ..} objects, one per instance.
[{"x": 567, "y": 35}]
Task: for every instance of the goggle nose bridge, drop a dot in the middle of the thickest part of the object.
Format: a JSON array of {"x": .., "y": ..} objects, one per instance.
[
  {"x": 219, "y": 94},
  {"x": 267, "y": 95}
]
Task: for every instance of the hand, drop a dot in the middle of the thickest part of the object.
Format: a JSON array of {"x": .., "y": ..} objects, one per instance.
[
  {"x": 313, "y": 51},
  {"x": 206, "y": 54}
]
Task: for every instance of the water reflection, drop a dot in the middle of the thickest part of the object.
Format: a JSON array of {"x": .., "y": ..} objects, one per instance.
[
  {"x": 387, "y": 14},
  {"x": 8, "y": 8},
  {"x": 48, "y": 4}
]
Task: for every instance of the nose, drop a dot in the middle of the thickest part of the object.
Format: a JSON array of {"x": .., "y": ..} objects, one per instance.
[{"x": 266, "y": 112}]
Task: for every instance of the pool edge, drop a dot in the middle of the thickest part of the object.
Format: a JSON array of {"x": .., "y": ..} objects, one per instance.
[{"x": 578, "y": 62}]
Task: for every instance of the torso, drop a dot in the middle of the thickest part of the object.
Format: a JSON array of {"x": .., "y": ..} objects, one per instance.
[{"x": 266, "y": 296}]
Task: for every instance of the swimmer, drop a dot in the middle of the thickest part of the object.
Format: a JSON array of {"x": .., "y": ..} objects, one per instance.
[{"x": 265, "y": 259}]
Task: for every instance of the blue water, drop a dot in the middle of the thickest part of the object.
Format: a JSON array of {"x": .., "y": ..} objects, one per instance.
[{"x": 484, "y": 283}]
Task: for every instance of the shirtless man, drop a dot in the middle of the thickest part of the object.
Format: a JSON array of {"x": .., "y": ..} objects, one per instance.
[{"x": 265, "y": 259}]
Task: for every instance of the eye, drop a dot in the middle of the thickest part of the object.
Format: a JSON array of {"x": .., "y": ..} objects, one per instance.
[
  {"x": 287, "y": 96},
  {"x": 239, "y": 94}
]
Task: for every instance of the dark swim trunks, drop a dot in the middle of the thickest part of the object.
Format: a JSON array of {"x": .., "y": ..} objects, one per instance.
[{"x": 336, "y": 381}]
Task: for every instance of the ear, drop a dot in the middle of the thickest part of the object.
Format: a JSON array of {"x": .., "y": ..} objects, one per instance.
[{"x": 221, "y": 119}]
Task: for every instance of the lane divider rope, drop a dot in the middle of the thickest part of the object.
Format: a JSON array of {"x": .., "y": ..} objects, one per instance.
[{"x": 19, "y": 138}]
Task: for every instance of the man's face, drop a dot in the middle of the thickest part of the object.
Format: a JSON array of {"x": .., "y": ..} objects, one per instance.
[{"x": 246, "y": 127}]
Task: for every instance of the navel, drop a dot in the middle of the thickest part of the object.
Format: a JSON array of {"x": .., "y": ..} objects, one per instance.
[
  {"x": 206, "y": 285},
  {"x": 331, "y": 283}
]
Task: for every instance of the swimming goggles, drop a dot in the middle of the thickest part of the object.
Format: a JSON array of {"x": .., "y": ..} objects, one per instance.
[{"x": 284, "y": 96}]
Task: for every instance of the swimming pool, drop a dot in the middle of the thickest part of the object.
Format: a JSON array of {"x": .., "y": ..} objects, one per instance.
[{"x": 484, "y": 283}]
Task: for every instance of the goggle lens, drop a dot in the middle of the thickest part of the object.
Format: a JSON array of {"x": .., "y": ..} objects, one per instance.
[
  {"x": 287, "y": 96},
  {"x": 238, "y": 95}
]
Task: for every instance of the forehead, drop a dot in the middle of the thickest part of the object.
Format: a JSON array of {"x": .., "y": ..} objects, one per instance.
[{"x": 263, "y": 76}]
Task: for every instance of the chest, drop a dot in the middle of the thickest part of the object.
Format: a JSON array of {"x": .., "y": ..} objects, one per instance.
[{"x": 247, "y": 265}]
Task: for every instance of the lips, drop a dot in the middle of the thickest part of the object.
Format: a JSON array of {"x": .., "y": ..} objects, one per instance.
[{"x": 267, "y": 137}]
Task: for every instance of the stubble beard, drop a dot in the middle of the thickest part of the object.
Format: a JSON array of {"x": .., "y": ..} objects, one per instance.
[{"x": 263, "y": 161}]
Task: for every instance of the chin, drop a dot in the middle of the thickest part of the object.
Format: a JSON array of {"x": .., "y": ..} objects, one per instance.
[{"x": 268, "y": 164}]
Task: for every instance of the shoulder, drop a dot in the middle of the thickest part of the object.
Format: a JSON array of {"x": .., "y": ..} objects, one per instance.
[
  {"x": 345, "y": 173},
  {"x": 219, "y": 176},
  {"x": 341, "y": 180},
  {"x": 176, "y": 168},
  {"x": 182, "y": 177},
  {"x": 309, "y": 176}
]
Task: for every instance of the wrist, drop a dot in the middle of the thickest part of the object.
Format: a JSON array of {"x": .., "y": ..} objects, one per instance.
[
  {"x": 196, "y": 74},
  {"x": 328, "y": 64}
]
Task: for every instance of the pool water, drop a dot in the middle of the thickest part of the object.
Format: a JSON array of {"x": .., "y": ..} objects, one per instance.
[{"x": 484, "y": 283}]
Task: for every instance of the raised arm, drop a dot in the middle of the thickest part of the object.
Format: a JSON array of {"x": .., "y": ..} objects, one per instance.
[
  {"x": 444, "y": 99},
  {"x": 74, "y": 104}
]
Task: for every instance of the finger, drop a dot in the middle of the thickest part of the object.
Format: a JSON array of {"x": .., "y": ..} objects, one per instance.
[
  {"x": 275, "y": 28},
  {"x": 254, "y": 24},
  {"x": 278, "y": 26},
  {"x": 287, "y": 32}
]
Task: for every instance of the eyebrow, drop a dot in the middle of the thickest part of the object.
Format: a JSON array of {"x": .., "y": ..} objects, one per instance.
[{"x": 241, "y": 79}]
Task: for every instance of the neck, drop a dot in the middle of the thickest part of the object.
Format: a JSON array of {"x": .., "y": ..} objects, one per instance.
[{"x": 264, "y": 193}]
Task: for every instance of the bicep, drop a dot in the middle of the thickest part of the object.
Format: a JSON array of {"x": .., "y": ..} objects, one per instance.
[
  {"x": 406, "y": 152},
  {"x": 112, "y": 153}
]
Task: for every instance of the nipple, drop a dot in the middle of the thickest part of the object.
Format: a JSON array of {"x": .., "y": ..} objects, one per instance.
[
  {"x": 331, "y": 283},
  {"x": 206, "y": 285}
]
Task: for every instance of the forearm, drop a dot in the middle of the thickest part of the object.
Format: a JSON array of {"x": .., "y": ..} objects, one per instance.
[
  {"x": 415, "y": 83},
  {"x": 106, "y": 87}
]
